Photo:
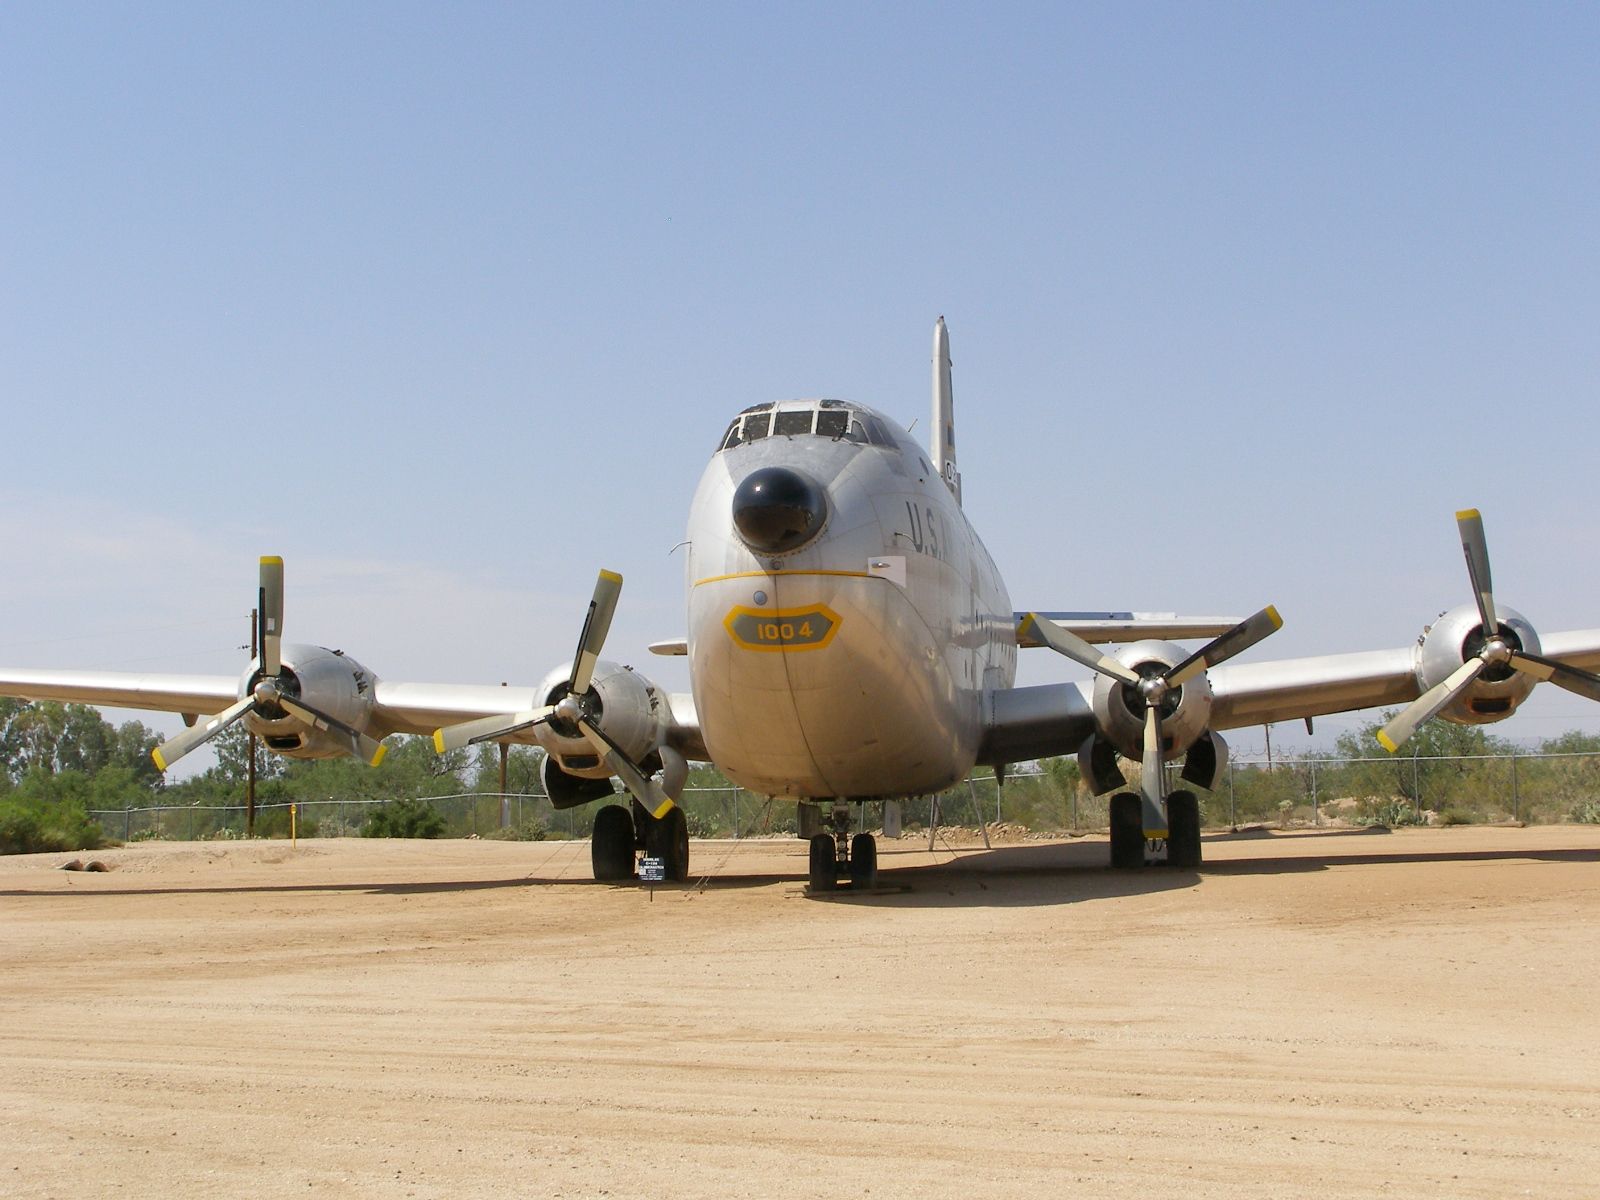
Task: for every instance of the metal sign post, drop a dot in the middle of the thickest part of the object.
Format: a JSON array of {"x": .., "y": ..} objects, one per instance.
[{"x": 652, "y": 871}]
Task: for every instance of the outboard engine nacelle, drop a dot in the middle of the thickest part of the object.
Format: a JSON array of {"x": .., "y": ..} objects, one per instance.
[{"x": 1458, "y": 636}]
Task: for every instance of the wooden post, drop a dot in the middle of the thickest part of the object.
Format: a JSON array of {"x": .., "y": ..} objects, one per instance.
[{"x": 505, "y": 803}]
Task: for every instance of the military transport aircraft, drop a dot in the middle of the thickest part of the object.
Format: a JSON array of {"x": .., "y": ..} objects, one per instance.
[{"x": 849, "y": 638}]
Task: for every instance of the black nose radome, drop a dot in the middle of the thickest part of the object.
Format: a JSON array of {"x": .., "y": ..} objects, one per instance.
[{"x": 776, "y": 510}]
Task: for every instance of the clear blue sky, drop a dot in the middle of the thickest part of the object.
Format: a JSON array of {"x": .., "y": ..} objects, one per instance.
[{"x": 447, "y": 304}]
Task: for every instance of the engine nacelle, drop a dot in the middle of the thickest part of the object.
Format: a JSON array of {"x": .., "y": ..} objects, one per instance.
[
  {"x": 569, "y": 791},
  {"x": 1119, "y": 711},
  {"x": 1457, "y": 636},
  {"x": 327, "y": 680},
  {"x": 631, "y": 710}
]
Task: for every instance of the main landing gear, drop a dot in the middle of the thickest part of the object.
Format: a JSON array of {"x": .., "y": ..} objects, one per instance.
[
  {"x": 620, "y": 833},
  {"x": 835, "y": 854},
  {"x": 1181, "y": 846}
]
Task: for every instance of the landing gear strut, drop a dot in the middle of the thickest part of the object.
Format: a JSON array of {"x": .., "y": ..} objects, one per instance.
[{"x": 839, "y": 854}]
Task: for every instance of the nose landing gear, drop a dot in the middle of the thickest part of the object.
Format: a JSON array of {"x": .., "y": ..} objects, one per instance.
[{"x": 837, "y": 854}]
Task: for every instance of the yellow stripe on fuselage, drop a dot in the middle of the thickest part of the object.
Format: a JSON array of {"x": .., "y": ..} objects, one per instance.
[{"x": 771, "y": 574}]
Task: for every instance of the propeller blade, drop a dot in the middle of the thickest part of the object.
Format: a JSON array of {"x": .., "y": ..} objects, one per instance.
[
  {"x": 1470, "y": 522},
  {"x": 1070, "y": 645},
  {"x": 595, "y": 627},
  {"x": 1405, "y": 723},
  {"x": 368, "y": 749},
  {"x": 1241, "y": 637},
  {"x": 270, "y": 609},
  {"x": 1153, "y": 777},
  {"x": 488, "y": 729},
  {"x": 645, "y": 790},
  {"x": 199, "y": 734},
  {"x": 1582, "y": 683}
]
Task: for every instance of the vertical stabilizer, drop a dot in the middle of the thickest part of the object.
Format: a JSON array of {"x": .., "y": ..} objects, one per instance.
[{"x": 943, "y": 434}]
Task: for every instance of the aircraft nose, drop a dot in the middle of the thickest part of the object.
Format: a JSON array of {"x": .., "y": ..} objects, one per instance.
[{"x": 776, "y": 509}]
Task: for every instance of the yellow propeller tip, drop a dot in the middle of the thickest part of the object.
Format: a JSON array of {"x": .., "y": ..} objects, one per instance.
[
  {"x": 1387, "y": 742},
  {"x": 1272, "y": 615},
  {"x": 271, "y": 560},
  {"x": 610, "y": 576},
  {"x": 1468, "y": 514},
  {"x": 161, "y": 763},
  {"x": 438, "y": 741},
  {"x": 378, "y": 757}
]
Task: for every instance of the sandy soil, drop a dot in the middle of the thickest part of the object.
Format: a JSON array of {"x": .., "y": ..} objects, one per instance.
[{"x": 1329, "y": 1015}]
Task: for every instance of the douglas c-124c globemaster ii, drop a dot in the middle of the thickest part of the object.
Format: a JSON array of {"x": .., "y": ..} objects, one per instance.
[{"x": 850, "y": 638}]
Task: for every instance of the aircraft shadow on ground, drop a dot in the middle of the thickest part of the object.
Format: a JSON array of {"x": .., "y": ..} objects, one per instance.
[
  {"x": 1068, "y": 873},
  {"x": 1030, "y": 875}
]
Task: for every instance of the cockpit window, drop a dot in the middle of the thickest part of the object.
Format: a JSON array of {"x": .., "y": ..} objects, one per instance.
[
  {"x": 832, "y": 423},
  {"x": 830, "y": 419},
  {"x": 876, "y": 433},
  {"x": 792, "y": 423}
]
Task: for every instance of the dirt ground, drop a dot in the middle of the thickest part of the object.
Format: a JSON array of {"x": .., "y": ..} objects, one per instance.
[{"x": 1345, "y": 1014}]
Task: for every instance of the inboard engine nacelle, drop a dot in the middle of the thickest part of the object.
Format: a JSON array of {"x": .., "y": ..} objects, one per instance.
[
  {"x": 630, "y": 709},
  {"x": 1119, "y": 713}
]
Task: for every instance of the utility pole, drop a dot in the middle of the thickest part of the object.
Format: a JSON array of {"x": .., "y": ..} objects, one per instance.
[
  {"x": 250, "y": 740},
  {"x": 1268, "y": 729}
]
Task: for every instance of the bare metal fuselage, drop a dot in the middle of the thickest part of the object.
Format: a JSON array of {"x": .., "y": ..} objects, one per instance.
[{"x": 856, "y": 665}]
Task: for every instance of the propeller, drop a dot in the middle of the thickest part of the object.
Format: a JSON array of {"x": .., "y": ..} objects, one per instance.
[
  {"x": 1154, "y": 689},
  {"x": 268, "y": 696},
  {"x": 1500, "y": 649},
  {"x": 574, "y": 707}
]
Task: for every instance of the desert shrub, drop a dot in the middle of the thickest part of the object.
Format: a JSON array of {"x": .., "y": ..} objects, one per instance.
[
  {"x": 1457, "y": 816},
  {"x": 1587, "y": 812},
  {"x": 404, "y": 819},
  {"x": 1391, "y": 811},
  {"x": 35, "y": 824},
  {"x": 529, "y": 829}
]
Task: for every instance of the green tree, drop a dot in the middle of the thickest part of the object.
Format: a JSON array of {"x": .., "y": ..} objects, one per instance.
[
  {"x": 47, "y": 810},
  {"x": 232, "y": 747}
]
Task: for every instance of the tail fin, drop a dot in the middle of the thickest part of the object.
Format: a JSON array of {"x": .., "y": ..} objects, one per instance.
[{"x": 943, "y": 433}]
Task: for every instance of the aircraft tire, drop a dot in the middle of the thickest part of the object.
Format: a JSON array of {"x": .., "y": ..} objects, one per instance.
[
  {"x": 1127, "y": 832},
  {"x": 1183, "y": 830},
  {"x": 824, "y": 864},
  {"x": 863, "y": 862},
  {"x": 668, "y": 840},
  {"x": 611, "y": 846}
]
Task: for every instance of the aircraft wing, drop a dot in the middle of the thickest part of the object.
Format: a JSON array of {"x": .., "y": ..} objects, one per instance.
[
  {"x": 1293, "y": 688},
  {"x": 195, "y": 695},
  {"x": 1038, "y": 722}
]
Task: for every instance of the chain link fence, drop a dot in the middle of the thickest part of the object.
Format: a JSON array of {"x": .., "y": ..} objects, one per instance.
[{"x": 1530, "y": 787}]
